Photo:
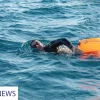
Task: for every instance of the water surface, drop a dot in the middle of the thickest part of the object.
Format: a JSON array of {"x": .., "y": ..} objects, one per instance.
[{"x": 40, "y": 75}]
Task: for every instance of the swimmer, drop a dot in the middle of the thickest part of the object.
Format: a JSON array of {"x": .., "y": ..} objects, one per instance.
[
  {"x": 55, "y": 46},
  {"x": 86, "y": 47}
]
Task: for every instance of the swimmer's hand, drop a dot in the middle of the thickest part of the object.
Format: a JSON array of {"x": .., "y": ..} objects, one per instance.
[{"x": 77, "y": 51}]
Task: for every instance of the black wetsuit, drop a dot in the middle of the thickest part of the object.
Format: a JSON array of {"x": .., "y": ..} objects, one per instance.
[{"x": 53, "y": 45}]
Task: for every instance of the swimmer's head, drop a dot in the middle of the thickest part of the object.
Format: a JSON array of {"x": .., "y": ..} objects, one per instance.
[{"x": 36, "y": 44}]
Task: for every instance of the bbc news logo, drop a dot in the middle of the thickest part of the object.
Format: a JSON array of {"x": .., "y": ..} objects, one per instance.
[{"x": 8, "y": 93}]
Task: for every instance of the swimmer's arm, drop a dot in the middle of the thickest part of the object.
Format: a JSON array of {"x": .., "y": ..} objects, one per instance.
[{"x": 59, "y": 42}]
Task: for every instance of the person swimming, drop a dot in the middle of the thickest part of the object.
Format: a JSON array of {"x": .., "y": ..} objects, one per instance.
[
  {"x": 86, "y": 47},
  {"x": 55, "y": 46}
]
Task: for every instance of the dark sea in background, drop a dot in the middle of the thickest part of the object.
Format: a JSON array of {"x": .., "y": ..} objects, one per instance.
[{"x": 46, "y": 76}]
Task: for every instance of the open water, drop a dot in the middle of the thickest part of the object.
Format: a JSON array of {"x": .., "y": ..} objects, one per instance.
[{"x": 46, "y": 76}]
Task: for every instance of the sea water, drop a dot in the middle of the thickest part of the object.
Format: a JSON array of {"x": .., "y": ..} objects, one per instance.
[{"x": 48, "y": 76}]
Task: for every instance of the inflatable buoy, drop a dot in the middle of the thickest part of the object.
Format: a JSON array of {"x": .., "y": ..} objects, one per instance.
[{"x": 91, "y": 45}]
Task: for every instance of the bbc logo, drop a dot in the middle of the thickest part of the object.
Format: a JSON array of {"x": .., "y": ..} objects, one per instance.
[{"x": 8, "y": 93}]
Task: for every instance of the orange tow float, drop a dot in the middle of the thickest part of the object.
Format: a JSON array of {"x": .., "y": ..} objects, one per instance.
[{"x": 90, "y": 46}]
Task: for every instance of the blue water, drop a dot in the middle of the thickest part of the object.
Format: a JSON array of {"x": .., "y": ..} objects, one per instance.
[{"x": 45, "y": 76}]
